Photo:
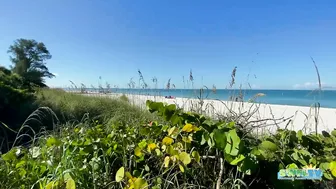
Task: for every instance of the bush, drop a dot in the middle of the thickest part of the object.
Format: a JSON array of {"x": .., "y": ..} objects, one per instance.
[
  {"x": 16, "y": 103},
  {"x": 15, "y": 81},
  {"x": 185, "y": 150}
]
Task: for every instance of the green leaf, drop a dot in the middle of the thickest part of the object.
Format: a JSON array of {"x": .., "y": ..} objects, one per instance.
[
  {"x": 144, "y": 131},
  {"x": 138, "y": 152},
  {"x": 185, "y": 158},
  {"x": 231, "y": 125},
  {"x": 312, "y": 161},
  {"x": 295, "y": 156},
  {"x": 305, "y": 152},
  {"x": 171, "y": 151},
  {"x": 158, "y": 152},
  {"x": 238, "y": 159},
  {"x": 20, "y": 164},
  {"x": 142, "y": 144},
  {"x": 232, "y": 144},
  {"x": 154, "y": 106},
  {"x": 43, "y": 168},
  {"x": 257, "y": 152},
  {"x": 325, "y": 169},
  {"x": 267, "y": 145},
  {"x": 9, "y": 155},
  {"x": 70, "y": 184},
  {"x": 128, "y": 175},
  {"x": 175, "y": 119},
  {"x": 172, "y": 131},
  {"x": 205, "y": 137},
  {"x": 302, "y": 161},
  {"x": 249, "y": 165},
  {"x": 140, "y": 183},
  {"x": 333, "y": 132},
  {"x": 166, "y": 161},
  {"x": 332, "y": 167},
  {"x": 52, "y": 185},
  {"x": 52, "y": 141},
  {"x": 210, "y": 141},
  {"x": 220, "y": 139},
  {"x": 156, "y": 130},
  {"x": 196, "y": 155},
  {"x": 292, "y": 166},
  {"x": 327, "y": 175},
  {"x": 169, "y": 111},
  {"x": 165, "y": 127},
  {"x": 147, "y": 168},
  {"x": 181, "y": 168},
  {"x": 109, "y": 151},
  {"x": 22, "y": 172},
  {"x": 324, "y": 166},
  {"x": 228, "y": 157},
  {"x": 120, "y": 174}
]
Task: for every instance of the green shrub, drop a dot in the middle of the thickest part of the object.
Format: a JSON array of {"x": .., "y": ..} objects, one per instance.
[
  {"x": 13, "y": 103},
  {"x": 11, "y": 79},
  {"x": 16, "y": 103},
  {"x": 185, "y": 150}
]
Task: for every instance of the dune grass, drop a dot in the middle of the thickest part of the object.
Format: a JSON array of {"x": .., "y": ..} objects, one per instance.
[{"x": 69, "y": 107}]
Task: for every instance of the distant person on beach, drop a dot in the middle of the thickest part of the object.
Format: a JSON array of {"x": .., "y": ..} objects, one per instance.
[{"x": 169, "y": 97}]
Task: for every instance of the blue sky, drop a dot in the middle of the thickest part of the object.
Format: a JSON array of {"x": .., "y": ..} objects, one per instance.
[{"x": 113, "y": 39}]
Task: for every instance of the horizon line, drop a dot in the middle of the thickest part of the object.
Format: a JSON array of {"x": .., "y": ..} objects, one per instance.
[{"x": 325, "y": 89}]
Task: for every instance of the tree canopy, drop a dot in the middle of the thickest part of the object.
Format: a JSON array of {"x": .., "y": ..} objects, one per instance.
[{"x": 29, "y": 60}]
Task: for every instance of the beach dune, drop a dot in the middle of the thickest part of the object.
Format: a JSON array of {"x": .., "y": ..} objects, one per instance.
[{"x": 259, "y": 118}]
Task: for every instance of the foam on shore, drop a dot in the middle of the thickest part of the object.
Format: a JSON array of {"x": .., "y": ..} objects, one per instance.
[{"x": 273, "y": 116}]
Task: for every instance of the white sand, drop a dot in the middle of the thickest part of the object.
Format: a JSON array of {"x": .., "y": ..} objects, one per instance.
[{"x": 295, "y": 117}]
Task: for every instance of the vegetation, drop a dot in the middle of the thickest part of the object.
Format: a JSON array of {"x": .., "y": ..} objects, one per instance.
[
  {"x": 54, "y": 139},
  {"x": 28, "y": 59},
  {"x": 18, "y": 85},
  {"x": 16, "y": 103},
  {"x": 74, "y": 107},
  {"x": 124, "y": 98},
  {"x": 183, "y": 150}
]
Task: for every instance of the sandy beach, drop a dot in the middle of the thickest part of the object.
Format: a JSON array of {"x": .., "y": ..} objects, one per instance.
[{"x": 261, "y": 117}]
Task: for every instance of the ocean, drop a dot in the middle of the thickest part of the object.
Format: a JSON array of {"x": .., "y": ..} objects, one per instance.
[{"x": 326, "y": 98}]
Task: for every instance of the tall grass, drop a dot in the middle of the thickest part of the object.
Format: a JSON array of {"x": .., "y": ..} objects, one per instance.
[{"x": 68, "y": 106}]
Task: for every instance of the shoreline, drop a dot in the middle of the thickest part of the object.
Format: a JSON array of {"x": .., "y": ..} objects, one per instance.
[{"x": 269, "y": 116}]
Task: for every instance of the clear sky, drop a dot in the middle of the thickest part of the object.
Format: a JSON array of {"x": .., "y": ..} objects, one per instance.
[{"x": 272, "y": 40}]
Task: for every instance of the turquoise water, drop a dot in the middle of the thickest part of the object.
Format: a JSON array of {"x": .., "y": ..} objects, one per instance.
[{"x": 326, "y": 98}]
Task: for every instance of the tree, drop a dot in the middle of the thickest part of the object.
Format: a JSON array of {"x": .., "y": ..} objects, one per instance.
[{"x": 29, "y": 61}]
